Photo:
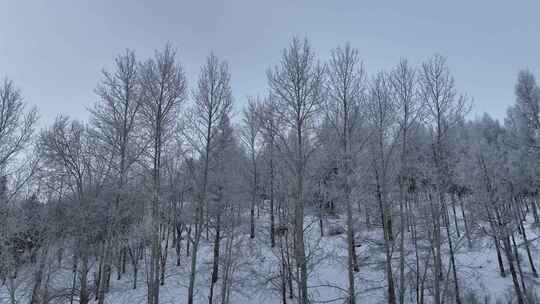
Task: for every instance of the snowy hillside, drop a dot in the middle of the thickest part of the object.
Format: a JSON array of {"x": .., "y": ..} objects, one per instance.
[{"x": 255, "y": 278}]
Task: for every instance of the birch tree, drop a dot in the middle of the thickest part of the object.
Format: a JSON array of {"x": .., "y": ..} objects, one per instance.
[
  {"x": 212, "y": 103},
  {"x": 382, "y": 112},
  {"x": 525, "y": 115},
  {"x": 68, "y": 149},
  {"x": 444, "y": 109},
  {"x": 268, "y": 127},
  {"x": 250, "y": 134},
  {"x": 164, "y": 90},
  {"x": 296, "y": 84},
  {"x": 17, "y": 124},
  {"x": 115, "y": 121},
  {"x": 344, "y": 110},
  {"x": 403, "y": 81}
]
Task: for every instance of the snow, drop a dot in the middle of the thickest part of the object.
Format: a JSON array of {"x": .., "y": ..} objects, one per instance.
[{"x": 257, "y": 265}]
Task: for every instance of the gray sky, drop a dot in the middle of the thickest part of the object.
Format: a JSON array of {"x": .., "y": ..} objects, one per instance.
[{"x": 55, "y": 50}]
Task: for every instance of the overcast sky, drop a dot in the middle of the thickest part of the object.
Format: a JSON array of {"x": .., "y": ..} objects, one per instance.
[{"x": 55, "y": 50}]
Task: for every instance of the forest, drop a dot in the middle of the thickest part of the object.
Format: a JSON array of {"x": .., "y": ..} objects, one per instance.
[{"x": 333, "y": 185}]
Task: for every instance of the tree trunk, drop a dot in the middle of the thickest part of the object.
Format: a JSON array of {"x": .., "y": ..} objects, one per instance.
[
  {"x": 74, "y": 280},
  {"x": 228, "y": 264},
  {"x": 455, "y": 214},
  {"x": 452, "y": 258},
  {"x": 98, "y": 277},
  {"x": 437, "y": 271},
  {"x": 215, "y": 263},
  {"x": 387, "y": 240},
  {"x": 154, "y": 276},
  {"x": 321, "y": 228},
  {"x": 252, "y": 220},
  {"x": 465, "y": 222},
  {"x": 499, "y": 257},
  {"x": 496, "y": 242},
  {"x": 37, "y": 294},
  {"x": 402, "y": 248},
  {"x": 104, "y": 273},
  {"x": 83, "y": 278},
  {"x": 135, "y": 272},
  {"x": 188, "y": 238},
  {"x": 283, "y": 273},
  {"x": 124, "y": 257},
  {"x": 300, "y": 253},
  {"x": 535, "y": 211},
  {"x": 178, "y": 245},
  {"x": 254, "y": 195},
  {"x": 134, "y": 263},
  {"x": 518, "y": 262},
  {"x": 351, "y": 255},
  {"x": 289, "y": 268},
  {"x": 510, "y": 259},
  {"x": 164, "y": 254},
  {"x": 525, "y": 240},
  {"x": 531, "y": 263},
  {"x": 194, "y": 250},
  {"x": 272, "y": 220}
]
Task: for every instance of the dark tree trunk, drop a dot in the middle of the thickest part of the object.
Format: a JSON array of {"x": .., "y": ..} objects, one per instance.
[
  {"x": 518, "y": 262},
  {"x": 455, "y": 215},
  {"x": 83, "y": 292},
  {"x": 37, "y": 294},
  {"x": 510, "y": 258},
  {"x": 215, "y": 264},
  {"x": 452, "y": 258},
  {"x": 465, "y": 222},
  {"x": 74, "y": 279}
]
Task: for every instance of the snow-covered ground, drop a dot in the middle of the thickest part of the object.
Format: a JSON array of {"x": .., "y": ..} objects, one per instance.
[{"x": 255, "y": 279}]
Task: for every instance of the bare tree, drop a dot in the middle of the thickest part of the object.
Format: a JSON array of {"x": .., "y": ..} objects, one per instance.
[
  {"x": 268, "y": 127},
  {"x": 345, "y": 97},
  {"x": 114, "y": 119},
  {"x": 382, "y": 112},
  {"x": 296, "y": 85},
  {"x": 17, "y": 125},
  {"x": 526, "y": 116},
  {"x": 250, "y": 137},
  {"x": 444, "y": 109},
  {"x": 403, "y": 81},
  {"x": 68, "y": 149},
  {"x": 212, "y": 103},
  {"x": 528, "y": 99},
  {"x": 164, "y": 89}
]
